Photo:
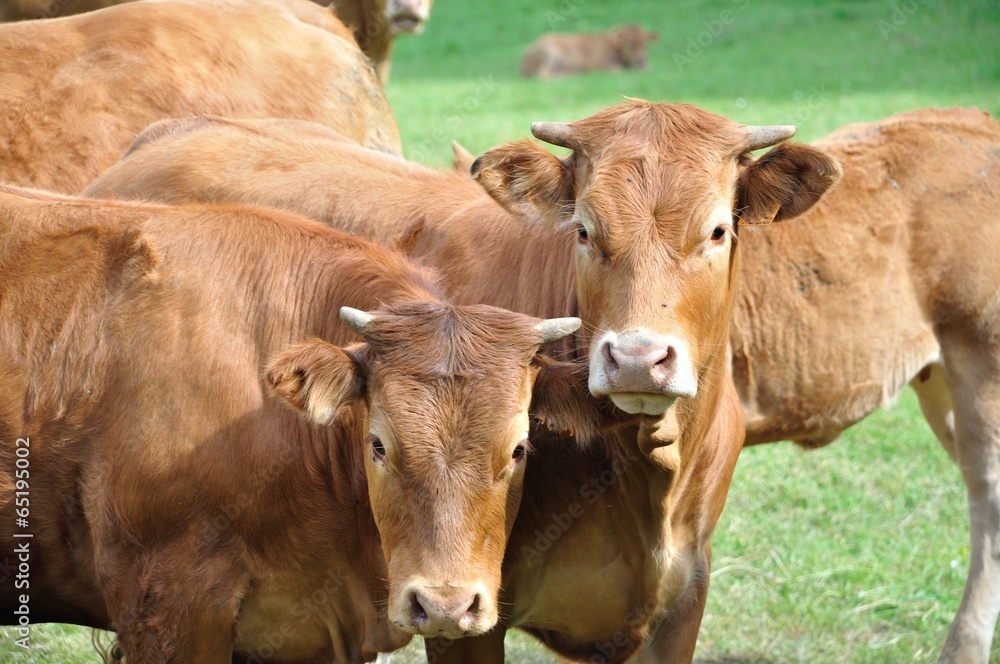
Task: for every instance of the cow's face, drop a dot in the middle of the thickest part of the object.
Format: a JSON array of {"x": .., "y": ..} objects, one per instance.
[
  {"x": 407, "y": 15},
  {"x": 653, "y": 195},
  {"x": 446, "y": 392},
  {"x": 630, "y": 42}
]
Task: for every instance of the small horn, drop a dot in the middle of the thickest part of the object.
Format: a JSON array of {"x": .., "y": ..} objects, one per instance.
[
  {"x": 766, "y": 136},
  {"x": 356, "y": 319},
  {"x": 555, "y": 329},
  {"x": 556, "y": 133}
]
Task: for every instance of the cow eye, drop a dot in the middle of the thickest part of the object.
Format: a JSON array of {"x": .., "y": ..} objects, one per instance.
[
  {"x": 378, "y": 448},
  {"x": 518, "y": 453},
  {"x": 719, "y": 233},
  {"x": 581, "y": 234}
]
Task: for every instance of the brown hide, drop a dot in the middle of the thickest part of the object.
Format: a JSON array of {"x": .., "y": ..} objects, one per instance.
[
  {"x": 173, "y": 500},
  {"x": 891, "y": 280},
  {"x": 611, "y": 541},
  {"x": 77, "y": 91},
  {"x": 557, "y": 54}
]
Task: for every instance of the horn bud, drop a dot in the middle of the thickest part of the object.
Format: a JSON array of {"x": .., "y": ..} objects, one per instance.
[
  {"x": 766, "y": 136},
  {"x": 556, "y": 133},
  {"x": 356, "y": 319},
  {"x": 554, "y": 329}
]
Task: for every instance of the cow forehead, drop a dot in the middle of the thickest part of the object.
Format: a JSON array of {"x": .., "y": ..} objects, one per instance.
[
  {"x": 631, "y": 203},
  {"x": 454, "y": 407}
]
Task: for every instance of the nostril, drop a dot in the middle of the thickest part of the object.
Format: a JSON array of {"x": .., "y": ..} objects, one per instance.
[
  {"x": 611, "y": 363},
  {"x": 473, "y": 608},
  {"x": 417, "y": 609},
  {"x": 668, "y": 358}
]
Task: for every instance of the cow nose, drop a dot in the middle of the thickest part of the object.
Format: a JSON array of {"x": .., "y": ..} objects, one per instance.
[
  {"x": 640, "y": 367},
  {"x": 634, "y": 365},
  {"x": 641, "y": 371},
  {"x": 451, "y": 612}
]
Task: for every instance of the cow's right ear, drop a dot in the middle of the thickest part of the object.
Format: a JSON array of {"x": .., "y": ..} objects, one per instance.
[
  {"x": 526, "y": 179},
  {"x": 561, "y": 401},
  {"x": 317, "y": 378},
  {"x": 784, "y": 183}
]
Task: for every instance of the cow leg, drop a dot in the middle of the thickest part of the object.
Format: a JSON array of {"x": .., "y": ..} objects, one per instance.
[
  {"x": 974, "y": 373},
  {"x": 485, "y": 649},
  {"x": 173, "y": 608},
  {"x": 937, "y": 405}
]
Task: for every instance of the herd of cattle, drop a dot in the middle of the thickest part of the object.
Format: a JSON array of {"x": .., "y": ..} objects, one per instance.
[{"x": 270, "y": 392}]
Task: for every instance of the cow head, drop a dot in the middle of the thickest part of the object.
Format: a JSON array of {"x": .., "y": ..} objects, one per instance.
[
  {"x": 653, "y": 194},
  {"x": 407, "y": 15},
  {"x": 630, "y": 42},
  {"x": 446, "y": 393}
]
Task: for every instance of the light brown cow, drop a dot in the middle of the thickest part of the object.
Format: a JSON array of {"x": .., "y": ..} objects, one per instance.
[
  {"x": 375, "y": 23},
  {"x": 170, "y": 498},
  {"x": 890, "y": 281},
  {"x": 635, "y": 232},
  {"x": 556, "y": 54},
  {"x": 77, "y": 91}
]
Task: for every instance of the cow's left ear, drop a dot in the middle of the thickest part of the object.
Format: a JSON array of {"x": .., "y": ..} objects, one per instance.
[
  {"x": 784, "y": 183},
  {"x": 526, "y": 179},
  {"x": 561, "y": 400},
  {"x": 317, "y": 378}
]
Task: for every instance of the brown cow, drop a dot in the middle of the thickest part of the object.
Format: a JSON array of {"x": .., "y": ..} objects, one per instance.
[
  {"x": 77, "y": 91},
  {"x": 375, "y": 23},
  {"x": 556, "y": 54},
  {"x": 884, "y": 284},
  {"x": 611, "y": 541},
  {"x": 168, "y": 497}
]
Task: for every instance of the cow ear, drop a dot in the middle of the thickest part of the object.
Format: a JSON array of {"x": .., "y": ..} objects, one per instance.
[
  {"x": 526, "y": 179},
  {"x": 463, "y": 159},
  {"x": 317, "y": 378},
  {"x": 784, "y": 183},
  {"x": 561, "y": 400}
]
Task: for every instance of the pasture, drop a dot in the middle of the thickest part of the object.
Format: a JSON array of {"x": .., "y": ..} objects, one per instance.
[{"x": 856, "y": 552}]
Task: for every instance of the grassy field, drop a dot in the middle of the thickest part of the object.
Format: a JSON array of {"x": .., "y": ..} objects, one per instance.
[{"x": 854, "y": 553}]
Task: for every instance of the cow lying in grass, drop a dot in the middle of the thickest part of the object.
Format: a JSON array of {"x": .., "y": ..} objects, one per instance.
[
  {"x": 556, "y": 54},
  {"x": 170, "y": 497}
]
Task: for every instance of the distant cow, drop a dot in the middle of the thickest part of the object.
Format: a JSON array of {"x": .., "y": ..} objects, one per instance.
[
  {"x": 557, "y": 54},
  {"x": 169, "y": 497},
  {"x": 376, "y": 23},
  {"x": 77, "y": 91},
  {"x": 635, "y": 233}
]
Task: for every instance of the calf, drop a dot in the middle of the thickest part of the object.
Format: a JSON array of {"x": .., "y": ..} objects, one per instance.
[
  {"x": 78, "y": 91},
  {"x": 558, "y": 54},
  {"x": 161, "y": 492}
]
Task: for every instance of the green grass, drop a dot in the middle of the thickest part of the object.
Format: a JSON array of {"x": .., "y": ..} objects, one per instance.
[{"x": 854, "y": 553}]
